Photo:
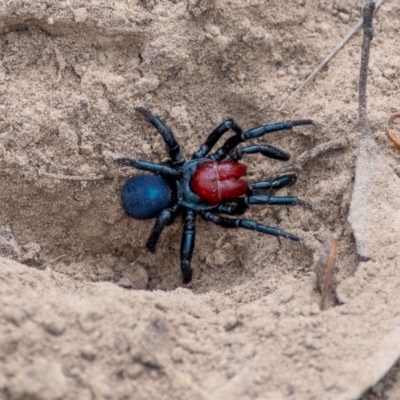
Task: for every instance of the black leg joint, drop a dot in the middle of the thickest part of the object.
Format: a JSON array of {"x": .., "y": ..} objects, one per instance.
[
  {"x": 215, "y": 135},
  {"x": 266, "y": 151},
  {"x": 165, "y": 218},
  {"x": 169, "y": 139},
  {"x": 227, "y": 147},
  {"x": 239, "y": 208},
  {"x": 278, "y": 183},
  {"x": 159, "y": 169},
  {"x": 187, "y": 245},
  {"x": 247, "y": 224}
]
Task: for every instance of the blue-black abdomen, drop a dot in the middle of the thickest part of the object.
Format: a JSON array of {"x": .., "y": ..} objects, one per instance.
[{"x": 145, "y": 196}]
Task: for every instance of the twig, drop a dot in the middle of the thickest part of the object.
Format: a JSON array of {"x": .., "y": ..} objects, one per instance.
[
  {"x": 309, "y": 154},
  {"x": 329, "y": 57},
  {"x": 51, "y": 261},
  {"x": 368, "y": 12}
]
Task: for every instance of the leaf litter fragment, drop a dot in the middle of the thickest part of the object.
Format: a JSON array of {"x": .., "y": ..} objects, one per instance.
[
  {"x": 390, "y": 132},
  {"x": 324, "y": 267}
]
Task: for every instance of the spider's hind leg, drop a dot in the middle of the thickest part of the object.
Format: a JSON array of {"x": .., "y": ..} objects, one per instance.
[
  {"x": 187, "y": 244},
  {"x": 165, "y": 218}
]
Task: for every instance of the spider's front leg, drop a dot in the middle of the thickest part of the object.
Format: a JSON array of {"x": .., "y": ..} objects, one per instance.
[
  {"x": 266, "y": 151},
  {"x": 215, "y": 135},
  {"x": 253, "y": 133},
  {"x": 262, "y": 199},
  {"x": 237, "y": 209},
  {"x": 243, "y": 203},
  {"x": 278, "y": 183},
  {"x": 187, "y": 244}
]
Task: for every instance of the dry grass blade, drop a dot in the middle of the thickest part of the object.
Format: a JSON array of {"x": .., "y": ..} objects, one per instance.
[
  {"x": 329, "y": 57},
  {"x": 323, "y": 267},
  {"x": 73, "y": 177},
  {"x": 51, "y": 261},
  {"x": 308, "y": 155}
]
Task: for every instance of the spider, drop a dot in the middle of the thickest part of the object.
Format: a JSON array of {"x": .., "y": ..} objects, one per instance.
[{"x": 206, "y": 185}]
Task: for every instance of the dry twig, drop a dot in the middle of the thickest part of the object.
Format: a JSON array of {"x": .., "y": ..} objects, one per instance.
[
  {"x": 368, "y": 12},
  {"x": 73, "y": 177},
  {"x": 51, "y": 261},
  {"x": 299, "y": 161},
  {"x": 328, "y": 58}
]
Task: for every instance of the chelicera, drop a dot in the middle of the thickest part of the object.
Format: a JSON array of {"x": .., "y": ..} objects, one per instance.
[{"x": 207, "y": 184}]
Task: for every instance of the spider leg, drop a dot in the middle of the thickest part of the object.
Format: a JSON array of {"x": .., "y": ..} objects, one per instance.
[
  {"x": 187, "y": 244},
  {"x": 215, "y": 135},
  {"x": 242, "y": 203},
  {"x": 169, "y": 139},
  {"x": 266, "y": 151},
  {"x": 239, "y": 208},
  {"x": 278, "y": 183},
  {"x": 247, "y": 224},
  {"x": 253, "y": 133},
  {"x": 254, "y": 199},
  {"x": 165, "y": 218},
  {"x": 159, "y": 169}
]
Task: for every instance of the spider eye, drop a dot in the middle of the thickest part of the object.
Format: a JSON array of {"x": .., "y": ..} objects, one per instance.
[{"x": 145, "y": 196}]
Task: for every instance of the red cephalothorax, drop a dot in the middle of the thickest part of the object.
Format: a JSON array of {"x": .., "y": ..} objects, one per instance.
[{"x": 217, "y": 181}]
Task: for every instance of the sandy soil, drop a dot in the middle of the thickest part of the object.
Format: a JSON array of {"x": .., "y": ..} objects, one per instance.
[{"x": 85, "y": 311}]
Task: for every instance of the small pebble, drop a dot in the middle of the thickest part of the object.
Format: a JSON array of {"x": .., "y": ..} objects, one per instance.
[
  {"x": 344, "y": 17},
  {"x": 88, "y": 352},
  {"x": 55, "y": 326},
  {"x": 135, "y": 370},
  {"x": 177, "y": 354},
  {"x": 213, "y": 30},
  {"x": 80, "y": 14},
  {"x": 292, "y": 70},
  {"x": 86, "y": 150},
  {"x": 229, "y": 320},
  {"x": 389, "y": 73}
]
